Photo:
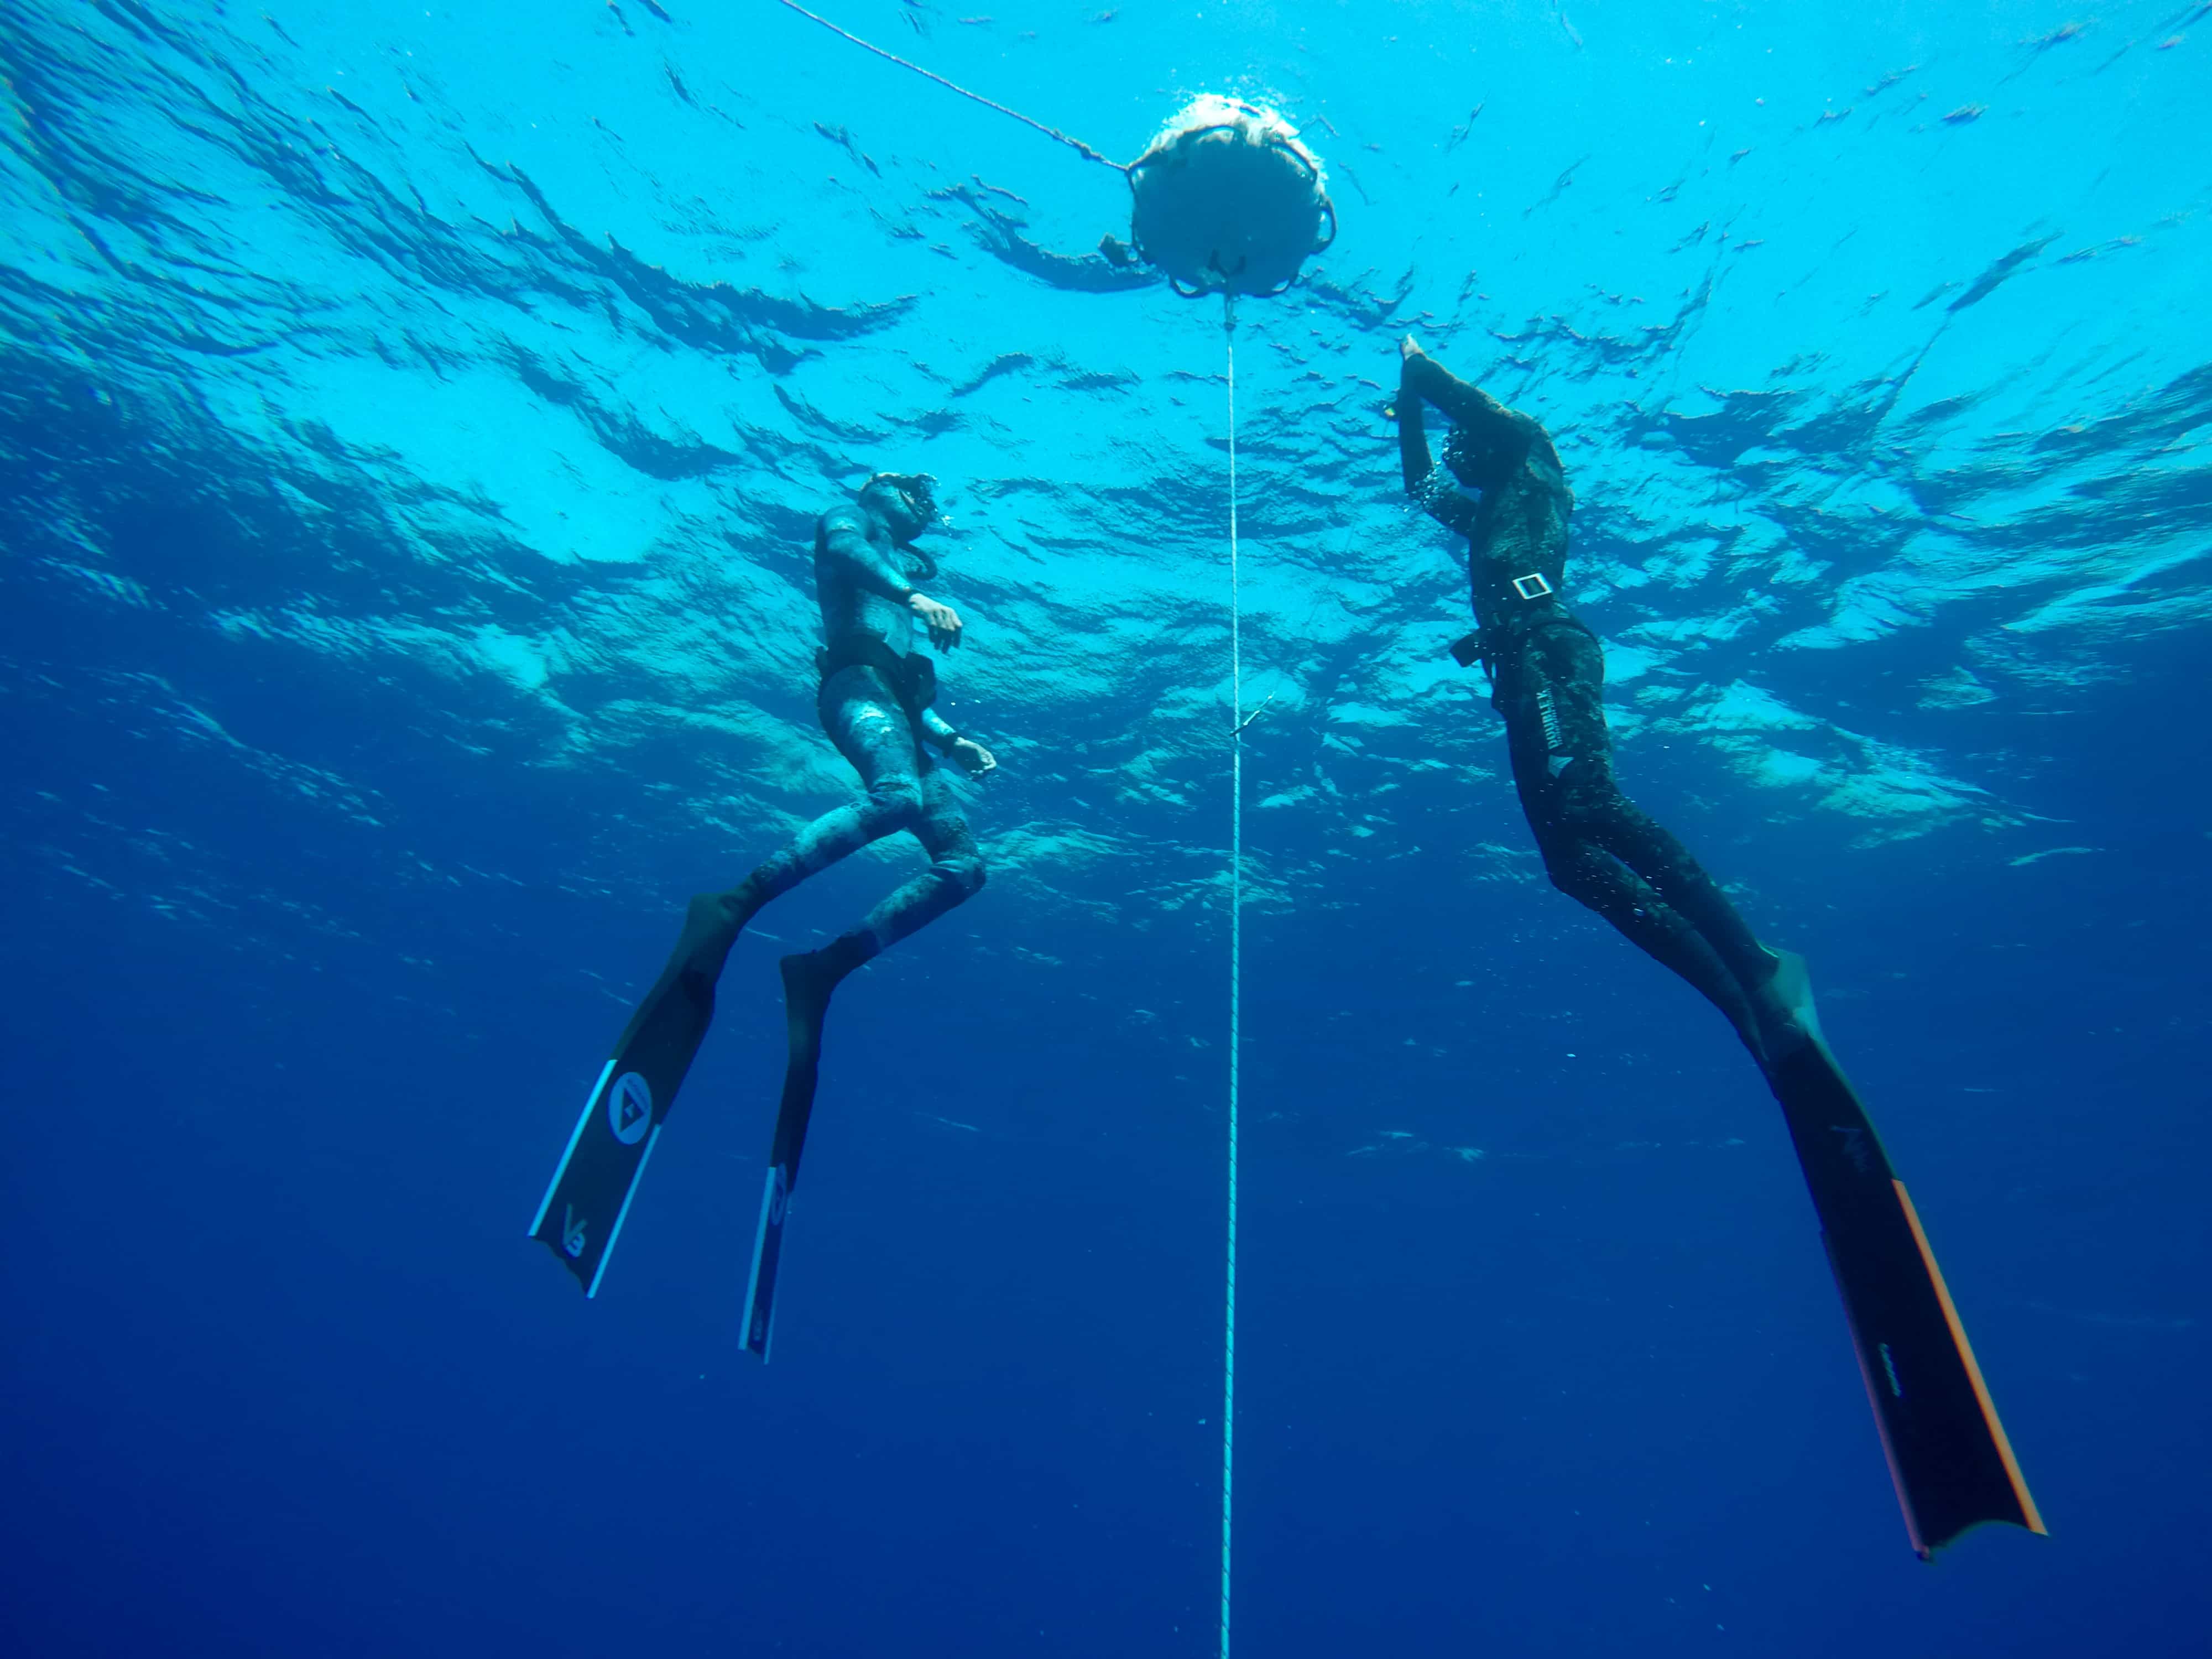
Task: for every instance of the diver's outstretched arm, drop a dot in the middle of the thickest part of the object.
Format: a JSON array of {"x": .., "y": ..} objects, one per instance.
[
  {"x": 1414, "y": 458},
  {"x": 1495, "y": 437},
  {"x": 1466, "y": 404},
  {"x": 1423, "y": 482}
]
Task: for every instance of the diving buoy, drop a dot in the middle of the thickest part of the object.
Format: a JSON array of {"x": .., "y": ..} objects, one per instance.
[{"x": 1228, "y": 201}]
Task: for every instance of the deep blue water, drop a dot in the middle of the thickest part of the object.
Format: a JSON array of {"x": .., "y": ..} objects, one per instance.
[{"x": 410, "y": 423}]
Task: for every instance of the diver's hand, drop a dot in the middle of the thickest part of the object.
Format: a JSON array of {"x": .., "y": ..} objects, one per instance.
[
  {"x": 942, "y": 621},
  {"x": 973, "y": 758},
  {"x": 1409, "y": 349}
]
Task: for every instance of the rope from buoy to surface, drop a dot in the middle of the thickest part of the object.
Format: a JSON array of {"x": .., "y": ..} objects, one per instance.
[{"x": 1075, "y": 144}]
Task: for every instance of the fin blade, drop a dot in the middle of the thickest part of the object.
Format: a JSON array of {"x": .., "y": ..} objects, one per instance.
[
  {"x": 629, "y": 1193},
  {"x": 767, "y": 1256},
  {"x": 1949, "y": 1458},
  {"x": 569, "y": 1154},
  {"x": 590, "y": 1196},
  {"x": 2031, "y": 1517},
  {"x": 800, "y": 1076}
]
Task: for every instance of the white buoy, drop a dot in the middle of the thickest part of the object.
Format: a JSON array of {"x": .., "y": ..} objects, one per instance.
[{"x": 1229, "y": 201}]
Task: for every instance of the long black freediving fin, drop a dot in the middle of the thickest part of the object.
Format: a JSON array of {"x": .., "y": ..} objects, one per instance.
[
  {"x": 1948, "y": 1456},
  {"x": 806, "y": 1000},
  {"x": 589, "y": 1195}
]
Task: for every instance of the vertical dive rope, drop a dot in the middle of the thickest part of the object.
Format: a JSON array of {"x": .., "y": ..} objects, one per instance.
[{"x": 1235, "y": 971}]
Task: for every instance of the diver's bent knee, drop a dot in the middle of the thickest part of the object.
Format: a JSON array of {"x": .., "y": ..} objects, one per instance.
[
  {"x": 965, "y": 872},
  {"x": 1568, "y": 870},
  {"x": 1569, "y": 882},
  {"x": 899, "y": 796},
  {"x": 709, "y": 910}
]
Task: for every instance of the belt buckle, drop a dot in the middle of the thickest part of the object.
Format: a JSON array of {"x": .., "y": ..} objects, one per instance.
[{"x": 1532, "y": 586}]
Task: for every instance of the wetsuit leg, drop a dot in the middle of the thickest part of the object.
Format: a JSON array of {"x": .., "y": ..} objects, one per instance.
[
  {"x": 1639, "y": 840},
  {"x": 954, "y": 876},
  {"x": 955, "y": 873},
  {"x": 1600, "y": 849},
  {"x": 1635, "y": 838},
  {"x": 864, "y": 720}
]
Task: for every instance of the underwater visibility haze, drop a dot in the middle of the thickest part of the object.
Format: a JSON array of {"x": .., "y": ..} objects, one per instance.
[{"x": 414, "y": 421}]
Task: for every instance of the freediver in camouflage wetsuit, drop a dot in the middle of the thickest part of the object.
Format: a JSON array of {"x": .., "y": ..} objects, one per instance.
[
  {"x": 874, "y": 702},
  {"x": 1947, "y": 1453},
  {"x": 1547, "y": 678}
]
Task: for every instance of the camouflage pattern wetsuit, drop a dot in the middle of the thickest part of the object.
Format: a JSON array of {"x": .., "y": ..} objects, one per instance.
[
  {"x": 874, "y": 705},
  {"x": 1548, "y": 675}
]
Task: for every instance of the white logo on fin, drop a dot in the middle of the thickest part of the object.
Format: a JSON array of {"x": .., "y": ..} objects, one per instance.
[
  {"x": 629, "y": 1108},
  {"x": 1559, "y": 763},
  {"x": 572, "y": 1232}
]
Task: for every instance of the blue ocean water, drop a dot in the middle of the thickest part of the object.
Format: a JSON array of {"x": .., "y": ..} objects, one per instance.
[{"x": 411, "y": 425}]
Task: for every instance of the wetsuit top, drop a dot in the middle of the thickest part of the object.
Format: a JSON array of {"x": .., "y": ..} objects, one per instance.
[
  {"x": 861, "y": 583},
  {"x": 1518, "y": 529}
]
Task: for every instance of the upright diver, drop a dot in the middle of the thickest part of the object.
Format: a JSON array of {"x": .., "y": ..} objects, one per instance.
[
  {"x": 874, "y": 702},
  {"x": 1502, "y": 488}
]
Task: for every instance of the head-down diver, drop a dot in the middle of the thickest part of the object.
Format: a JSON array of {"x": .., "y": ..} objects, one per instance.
[
  {"x": 1947, "y": 1452},
  {"x": 874, "y": 700},
  {"x": 1547, "y": 678}
]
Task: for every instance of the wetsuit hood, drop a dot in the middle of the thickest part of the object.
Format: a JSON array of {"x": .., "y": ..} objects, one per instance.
[{"x": 906, "y": 501}]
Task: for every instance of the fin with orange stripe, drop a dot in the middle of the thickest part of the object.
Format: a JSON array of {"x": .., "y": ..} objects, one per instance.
[{"x": 1953, "y": 1466}]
